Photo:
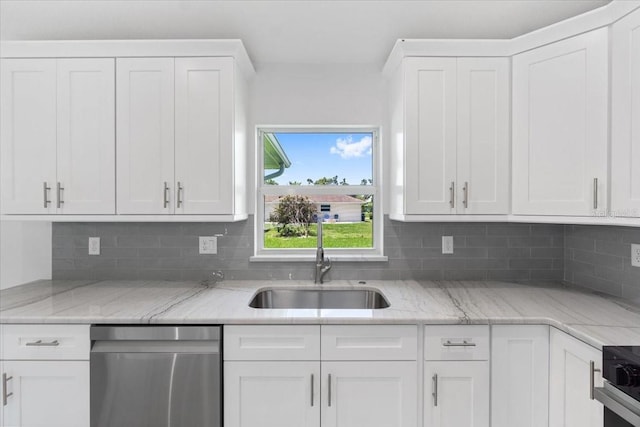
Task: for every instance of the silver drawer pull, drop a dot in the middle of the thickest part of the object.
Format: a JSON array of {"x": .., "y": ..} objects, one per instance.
[
  {"x": 452, "y": 195},
  {"x": 39, "y": 343},
  {"x": 59, "y": 190},
  {"x": 312, "y": 399},
  {"x": 179, "y": 198},
  {"x": 5, "y": 395},
  {"x": 434, "y": 393},
  {"x": 592, "y": 380},
  {"x": 165, "y": 196},
  {"x": 458, "y": 344},
  {"x": 45, "y": 189}
]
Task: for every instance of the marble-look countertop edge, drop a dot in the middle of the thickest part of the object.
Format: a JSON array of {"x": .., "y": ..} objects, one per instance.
[{"x": 595, "y": 319}]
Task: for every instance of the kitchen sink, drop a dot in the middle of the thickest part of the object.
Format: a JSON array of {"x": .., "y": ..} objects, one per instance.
[{"x": 364, "y": 299}]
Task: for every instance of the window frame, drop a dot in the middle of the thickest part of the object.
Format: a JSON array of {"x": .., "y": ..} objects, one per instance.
[{"x": 375, "y": 253}]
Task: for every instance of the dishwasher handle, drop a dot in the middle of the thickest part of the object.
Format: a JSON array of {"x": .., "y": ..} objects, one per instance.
[
  {"x": 179, "y": 347},
  {"x": 156, "y": 333}
]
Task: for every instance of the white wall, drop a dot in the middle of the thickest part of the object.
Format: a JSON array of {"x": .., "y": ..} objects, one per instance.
[
  {"x": 25, "y": 252},
  {"x": 312, "y": 94}
]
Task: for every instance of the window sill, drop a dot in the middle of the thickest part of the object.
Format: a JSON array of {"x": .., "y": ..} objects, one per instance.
[{"x": 312, "y": 258}]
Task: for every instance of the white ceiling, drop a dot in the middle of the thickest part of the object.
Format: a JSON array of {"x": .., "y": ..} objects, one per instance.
[{"x": 286, "y": 31}]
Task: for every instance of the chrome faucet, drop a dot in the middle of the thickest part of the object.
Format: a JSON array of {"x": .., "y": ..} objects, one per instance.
[{"x": 323, "y": 265}]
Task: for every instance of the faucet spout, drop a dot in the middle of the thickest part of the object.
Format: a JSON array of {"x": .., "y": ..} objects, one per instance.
[{"x": 323, "y": 265}]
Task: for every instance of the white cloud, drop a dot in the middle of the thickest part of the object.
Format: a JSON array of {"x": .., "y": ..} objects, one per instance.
[{"x": 347, "y": 148}]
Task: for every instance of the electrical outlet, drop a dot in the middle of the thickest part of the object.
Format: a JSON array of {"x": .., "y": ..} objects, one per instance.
[
  {"x": 635, "y": 255},
  {"x": 94, "y": 246},
  {"x": 447, "y": 244},
  {"x": 208, "y": 245}
]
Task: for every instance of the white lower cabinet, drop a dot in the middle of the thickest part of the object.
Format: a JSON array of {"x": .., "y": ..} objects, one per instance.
[
  {"x": 46, "y": 393},
  {"x": 456, "y": 376},
  {"x": 571, "y": 374},
  {"x": 369, "y": 394},
  {"x": 45, "y": 375},
  {"x": 272, "y": 394},
  {"x": 520, "y": 376},
  {"x": 313, "y": 391},
  {"x": 456, "y": 394}
]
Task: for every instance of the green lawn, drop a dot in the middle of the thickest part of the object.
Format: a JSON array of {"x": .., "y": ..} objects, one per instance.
[{"x": 338, "y": 235}]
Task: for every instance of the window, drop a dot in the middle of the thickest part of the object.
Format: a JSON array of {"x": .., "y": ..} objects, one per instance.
[{"x": 311, "y": 175}]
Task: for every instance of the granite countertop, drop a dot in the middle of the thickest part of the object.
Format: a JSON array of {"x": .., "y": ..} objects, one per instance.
[{"x": 593, "y": 318}]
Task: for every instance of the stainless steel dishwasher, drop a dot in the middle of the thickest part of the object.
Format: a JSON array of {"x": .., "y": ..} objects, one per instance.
[{"x": 156, "y": 376}]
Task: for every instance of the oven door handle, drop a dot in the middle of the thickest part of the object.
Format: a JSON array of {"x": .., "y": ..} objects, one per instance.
[{"x": 626, "y": 410}]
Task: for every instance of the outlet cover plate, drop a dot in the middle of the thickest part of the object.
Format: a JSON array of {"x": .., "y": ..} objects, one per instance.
[
  {"x": 635, "y": 255},
  {"x": 94, "y": 246},
  {"x": 208, "y": 245},
  {"x": 447, "y": 244}
]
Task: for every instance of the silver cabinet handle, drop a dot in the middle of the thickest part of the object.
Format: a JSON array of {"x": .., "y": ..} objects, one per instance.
[
  {"x": 452, "y": 195},
  {"x": 45, "y": 190},
  {"x": 5, "y": 395},
  {"x": 39, "y": 343},
  {"x": 434, "y": 393},
  {"x": 592, "y": 381},
  {"x": 466, "y": 195},
  {"x": 595, "y": 193},
  {"x": 165, "y": 195},
  {"x": 179, "y": 197},
  {"x": 312, "y": 399},
  {"x": 329, "y": 391},
  {"x": 59, "y": 190},
  {"x": 458, "y": 344}
]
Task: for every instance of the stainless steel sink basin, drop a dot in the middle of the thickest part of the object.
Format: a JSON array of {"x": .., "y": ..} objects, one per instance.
[{"x": 320, "y": 298}]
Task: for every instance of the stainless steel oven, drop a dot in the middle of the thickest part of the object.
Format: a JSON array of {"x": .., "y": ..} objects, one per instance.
[
  {"x": 621, "y": 392},
  {"x": 156, "y": 376}
]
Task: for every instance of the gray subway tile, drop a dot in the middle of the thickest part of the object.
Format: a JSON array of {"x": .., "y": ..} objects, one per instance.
[{"x": 532, "y": 263}]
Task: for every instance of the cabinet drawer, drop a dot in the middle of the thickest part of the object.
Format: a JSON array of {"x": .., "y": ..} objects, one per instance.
[
  {"x": 369, "y": 342},
  {"x": 45, "y": 342},
  {"x": 269, "y": 342},
  {"x": 456, "y": 342}
]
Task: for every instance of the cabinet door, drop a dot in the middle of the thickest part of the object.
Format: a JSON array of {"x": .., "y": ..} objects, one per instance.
[
  {"x": 47, "y": 394},
  {"x": 483, "y": 135},
  {"x": 625, "y": 114},
  {"x": 520, "y": 376},
  {"x": 86, "y": 136},
  {"x": 271, "y": 394},
  {"x": 204, "y": 135},
  {"x": 430, "y": 135},
  {"x": 371, "y": 394},
  {"x": 144, "y": 135},
  {"x": 28, "y": 135},
  {"x": 569, "y": 395},
  {"x": 560, "y": 120},
  {"x": 456, "y": 394}
]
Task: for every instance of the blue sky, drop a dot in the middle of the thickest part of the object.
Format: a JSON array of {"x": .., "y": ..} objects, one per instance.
[{"x": 314, "y": 155}]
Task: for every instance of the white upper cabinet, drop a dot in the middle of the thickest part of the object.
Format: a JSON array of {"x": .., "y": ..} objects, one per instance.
[
  {"x": 28, "y": 135},
  {"x": 145, "y": 135},
  {"x": 204, "y": 132},
  {"x": 483, "y": 136},
  {"x": 58, "y": 136},
  {"x": 180, "y": 136},
  {"x": 430, "y": 135},
  {"x": 560, "y": 127},
  {"x": 450, "y": 140},
  {"x": 625, "y": 115},
  {"x": 86, "y": 136}
]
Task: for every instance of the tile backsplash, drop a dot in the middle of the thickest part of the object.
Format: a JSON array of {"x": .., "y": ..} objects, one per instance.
[
  {"x": 597, "y": 257},
  {"x": 515, "y": 252}
]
